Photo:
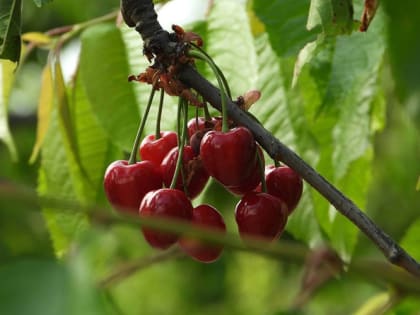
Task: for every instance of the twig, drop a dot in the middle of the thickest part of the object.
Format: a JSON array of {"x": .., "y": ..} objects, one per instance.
[
  {"x": 134, "y": 16},
  {"x": 129, "y": 269}
]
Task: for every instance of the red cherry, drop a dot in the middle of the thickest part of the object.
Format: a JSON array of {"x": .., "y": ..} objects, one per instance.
[
  {"x": 201, "y": 124},
  {"x": 195, "y": 175},
  {"x": 125, "y": 185},
  {"x": 252, "y": 181},
  {"x": 208, "y": 217},
  {"x": 286, "y": 184},
  {"x": 261, "y": 215},
  {"x": 229, "y": 156},
  {"x": 164, "y": 203},
  {"x": 155, "y": 150}
]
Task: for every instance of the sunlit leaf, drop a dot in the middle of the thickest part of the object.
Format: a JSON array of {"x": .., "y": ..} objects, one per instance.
[
  {"x": 230, "y": 43},
  {"x": 37, "y": 38},
  {"x": 10, "y": 24},
  {"x": 45, "y": 106},
  {"x": 7, "y": 69},
  {"x": 104, "y": 71}
]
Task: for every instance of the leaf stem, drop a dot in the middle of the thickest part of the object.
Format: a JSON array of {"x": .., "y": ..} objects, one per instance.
[{"x": 136, "y": 145}]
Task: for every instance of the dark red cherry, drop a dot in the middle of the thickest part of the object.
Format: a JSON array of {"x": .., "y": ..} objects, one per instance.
[
  {"x": 285, "y": 183},
  {"x": 200, "y": 124},
  {"x": 207, "y": 217},
  {"x": 195, "y": 175},
  {"x": 261, "y": 215},
  {"x": 125, "y": 185},
  {"x": 164, "y": 203},
  {"x": 155, "y": 150},
  {"x": 252, "y": 181},
  {"x": 229, "y": 156}
]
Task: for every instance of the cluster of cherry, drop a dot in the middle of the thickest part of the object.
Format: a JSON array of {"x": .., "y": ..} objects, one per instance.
[{"x": 153, "y": 188}]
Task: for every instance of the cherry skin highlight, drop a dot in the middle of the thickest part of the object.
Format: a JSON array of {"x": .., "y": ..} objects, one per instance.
[
  {"x": 155, "y": 150},
  {"x": 126, "y": 184},
  {"x": 230, "y": 156}
]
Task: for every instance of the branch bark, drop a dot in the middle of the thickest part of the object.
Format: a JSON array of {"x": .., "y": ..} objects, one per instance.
[{"x": 275, "y": 148}]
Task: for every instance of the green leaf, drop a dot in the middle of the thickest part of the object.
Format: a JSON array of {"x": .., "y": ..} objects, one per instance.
[
  {"x": 7, "y": 69},
  {"x": 410, "y": 241},
  {"x": 58, "y": 178},
  {"x": 104, "y": 71},
  {"x": 334, "y": 16},
  {"x": 285, "y": 23},
  {"x": 10, "y": 29},
  {"x": 40, "y": 3},
  {"x": 92, "y": 143},
  {"x": 337, "y": 106},
  {"x": 230, "y": 43}
]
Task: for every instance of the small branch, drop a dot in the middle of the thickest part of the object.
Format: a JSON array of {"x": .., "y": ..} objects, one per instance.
[
  {"x": 137, "y": 10},
  {"x": 131, "y": 268}
]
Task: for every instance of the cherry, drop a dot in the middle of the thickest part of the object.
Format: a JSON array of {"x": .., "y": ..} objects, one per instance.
[
  {"x": 252, "y": 181},
  {"x": 126, "y": 184},
  {"x": 201, "y": 124},
  {"x": 284, "y": 183},
  {"x": 261, "y": 215},
  {"x": 164, "y": 203},
  {"x": 195, "y": 175},
  {"x": 207, "y": 217},
  {"x": 229, "y": 156},
  {"x": 155, "y": 150}
]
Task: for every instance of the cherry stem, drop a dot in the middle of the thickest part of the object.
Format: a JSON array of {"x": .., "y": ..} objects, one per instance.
[
  {"x": 159, "y": 114},
  {"x": 181, "y": 139},
  {"x": 277, "y": 163},
  {"x": 199, "y": 54},
  {"x": 207, "y": 115},
  {"x": 220, "y": 73},
  {"x": 136, "y": 145},
  {"x": 262, "y": 172}
]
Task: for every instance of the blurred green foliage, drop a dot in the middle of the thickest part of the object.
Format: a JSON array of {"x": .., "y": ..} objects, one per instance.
[{"x": 353, "y": 113}]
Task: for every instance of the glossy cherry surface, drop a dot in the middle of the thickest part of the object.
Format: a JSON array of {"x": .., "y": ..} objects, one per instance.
[
  {"x": 261, "y": 215},
  {"x": 252, "y": 181},
  {"x": 155, "y": 150},
  {"x": 207, "y": 217},
  {"x": 229, "y": 156},
  {"x": 125, "y": 185},
  {"x": 285, "y": 183},
  {"x": 195, "y": 175},
  {"x": 164, "y": 203}
]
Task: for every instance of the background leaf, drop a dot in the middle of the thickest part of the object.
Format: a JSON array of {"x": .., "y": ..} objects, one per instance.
[
  {"x": 284, "y": 22},
  {"x": 40, "y": 3},
  {"x": 10, "y": 29},
  {"x": 7, "y": 69}
]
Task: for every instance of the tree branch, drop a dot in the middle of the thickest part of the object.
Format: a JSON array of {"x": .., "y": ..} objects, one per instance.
[{"x": 276, "y": 149}]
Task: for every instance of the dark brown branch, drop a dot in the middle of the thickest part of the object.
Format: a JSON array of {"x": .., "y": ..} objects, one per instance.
[{"x": 277, "y": 150}]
